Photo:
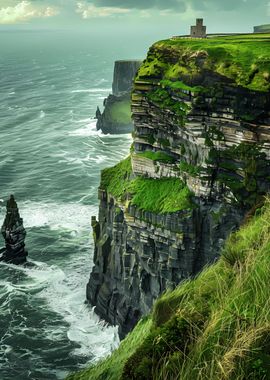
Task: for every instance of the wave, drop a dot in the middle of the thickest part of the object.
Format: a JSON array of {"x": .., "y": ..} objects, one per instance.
[
  {"x": 63, "y": 291},
  {"x": 67, "y": 297},
  {"x": 88, "y": 130},
  {"x": 70, "y": 216}
]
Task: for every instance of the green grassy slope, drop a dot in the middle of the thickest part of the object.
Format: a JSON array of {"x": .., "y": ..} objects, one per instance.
[
  {"x": 214, "y": 327},
  {"x": 154, "y": 195},
  {"x": 243, "y": 59}
]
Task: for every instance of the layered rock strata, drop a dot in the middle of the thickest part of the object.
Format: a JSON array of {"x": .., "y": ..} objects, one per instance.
[
  {"x": 116, "y": 117},
  {"x": 14, "y": 234},
  {"x": 206, "y": 130}
]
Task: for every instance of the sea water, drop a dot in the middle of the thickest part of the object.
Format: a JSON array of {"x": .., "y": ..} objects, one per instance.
[{"x": 50, "y": 158}]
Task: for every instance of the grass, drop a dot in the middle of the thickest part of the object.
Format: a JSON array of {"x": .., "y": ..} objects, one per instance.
[
  {"x": 116, "y": 180},
  {"x": 243, "y": 59},
  {"x": 216, "y": 326},
  {"x": 193, "y": 170},
  {"x": 154, "y": 195},
  {"x": 120, "y": 112},
  {"x": 161, "y": 196},
  {"x": 179, "y": 85}
]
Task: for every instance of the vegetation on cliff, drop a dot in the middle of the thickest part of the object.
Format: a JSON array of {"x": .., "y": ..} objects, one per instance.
[
  {"x": 213, "y": 89},
  {"x": 244, "y": 60},
  {"x": 216, "y": 326},
  {"x": 155, "y": 195}
]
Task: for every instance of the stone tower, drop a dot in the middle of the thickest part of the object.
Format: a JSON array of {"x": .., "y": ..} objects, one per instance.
[{"x": 198, "y": 31}]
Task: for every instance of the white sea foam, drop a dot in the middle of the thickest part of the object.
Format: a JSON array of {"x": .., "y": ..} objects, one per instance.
[
  {"x": 87, "y": 130},
  {"x": 42, "y": 114},
  {"x": 66, "y": 297},
  {"x": 64, "y": 292},
  {"x": 71, "y": 216}
]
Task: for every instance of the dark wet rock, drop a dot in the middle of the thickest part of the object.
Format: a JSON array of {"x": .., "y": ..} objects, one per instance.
[{"x": 14, "y": 234}]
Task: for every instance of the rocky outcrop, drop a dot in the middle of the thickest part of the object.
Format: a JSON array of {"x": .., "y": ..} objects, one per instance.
[
  {"x": 116, "y": 117},
  {"x": 204, "y": 130},
  {"x": 14, "y": 235}
]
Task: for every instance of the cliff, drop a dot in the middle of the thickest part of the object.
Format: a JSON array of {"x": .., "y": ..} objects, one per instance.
[
  {"x": 213, "y": 327},
  {"x": 199, "y": 162},
  {"x": 123, "y": 77},
  {"x": 116, "y": 117}
]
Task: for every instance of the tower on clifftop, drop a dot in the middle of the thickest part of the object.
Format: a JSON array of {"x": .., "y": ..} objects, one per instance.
[{"x": 198, "y": 31}]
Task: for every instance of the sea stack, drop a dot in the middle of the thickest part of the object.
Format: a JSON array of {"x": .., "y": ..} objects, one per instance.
[{"x": 14, "y": 234}]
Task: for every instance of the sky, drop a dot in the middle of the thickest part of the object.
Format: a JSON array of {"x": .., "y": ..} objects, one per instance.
[{"x": 172, "y": 17}]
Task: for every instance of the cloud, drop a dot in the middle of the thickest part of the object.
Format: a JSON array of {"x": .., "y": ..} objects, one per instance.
[
  {"x": 24, "y": 11},
  {"x": 142, "y": 4},
  {"x": 180, "y": 6},
  {"x": 91, "y": 11}
]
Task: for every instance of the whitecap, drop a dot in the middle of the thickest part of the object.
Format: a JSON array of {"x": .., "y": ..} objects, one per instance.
[
  {"x": 88, "y": 130},
  {"x": 42, "y": 114}
]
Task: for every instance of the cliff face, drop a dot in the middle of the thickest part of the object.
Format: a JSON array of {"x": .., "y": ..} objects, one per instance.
[
  {"x": 116, "y": 117},
  {"x": 199, "y": 161},
  {"x": 124, "y": 74}
]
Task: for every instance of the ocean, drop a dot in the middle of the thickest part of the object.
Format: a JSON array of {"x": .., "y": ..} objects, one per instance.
[{"x": 50, "y": 158}]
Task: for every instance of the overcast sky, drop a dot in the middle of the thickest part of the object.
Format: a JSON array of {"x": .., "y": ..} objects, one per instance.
[{"x": 169, "y": 16}]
